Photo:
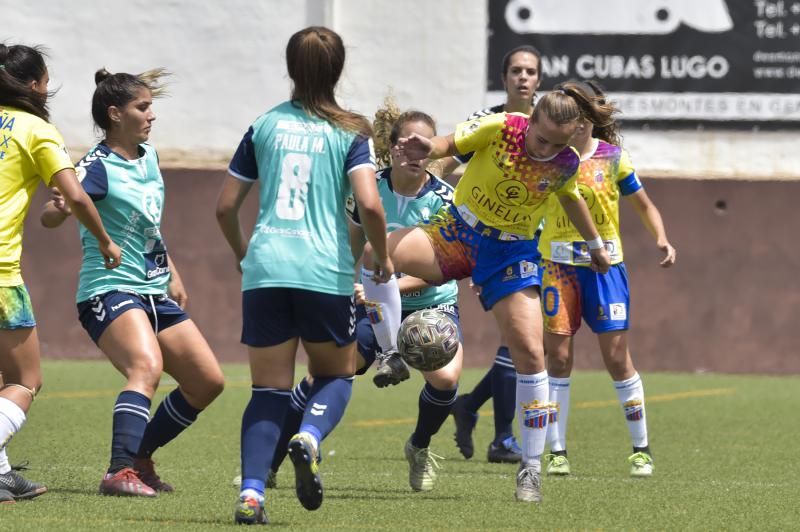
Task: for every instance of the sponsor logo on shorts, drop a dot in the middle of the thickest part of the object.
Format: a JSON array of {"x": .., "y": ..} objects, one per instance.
[
  {"x": 634, "y": 410},
  {"x": 534, "y": 414},
  {"x": 510, "y": 275},
  {"x": 618, "y": 311},
  {"x": 528, "y": 269},
  {"x": 121, "y": 304},
  {"x": 601, "y": 313}
]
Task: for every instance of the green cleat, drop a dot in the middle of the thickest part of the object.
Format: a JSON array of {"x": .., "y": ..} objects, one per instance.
[
  {"x": 422, "y": 466},
  {"x": 641, "y": 464},
  {"x": 308, "y": 484},
  {"x": 557, "y": 464}
]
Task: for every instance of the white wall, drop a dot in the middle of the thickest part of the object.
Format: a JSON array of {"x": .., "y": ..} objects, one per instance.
[{"x": 228, "y": 63}]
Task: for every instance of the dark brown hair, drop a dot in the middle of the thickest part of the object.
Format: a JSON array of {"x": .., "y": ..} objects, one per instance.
[
  {"x": 314, "y": 60},
  {"x": 20, "y": 66},
  {"x": 119, "y": 89},
  {"x": 527, "y": 48}
]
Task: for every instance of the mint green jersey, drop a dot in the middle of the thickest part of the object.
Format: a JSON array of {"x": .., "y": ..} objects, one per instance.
[
  {"x": 129, "y": 196},
  {"x": 405, "y": 211},
  {"x": 302, "y": 164}
]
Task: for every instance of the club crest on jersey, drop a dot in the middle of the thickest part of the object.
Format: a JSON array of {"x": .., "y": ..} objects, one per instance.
[
  {"x": 634, "y": 410},
  {"x": 598, "y": 176},
  {"x": 534, "y": 414},
  {"x": 543, "y": 184}
]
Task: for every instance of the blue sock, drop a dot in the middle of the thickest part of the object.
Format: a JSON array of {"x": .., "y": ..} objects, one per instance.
[
  {"x": 131, "y": 414},
  {"x": 291, "y": 425},
  {"x": 174, "y": 414},
  {"x": 434, "y": 407},
  {"x": 480, "y": 394},
  {"x": 261, "y": 428},
  {"x": 327, "y": 400},
  {"x": 504, "y": 394}
]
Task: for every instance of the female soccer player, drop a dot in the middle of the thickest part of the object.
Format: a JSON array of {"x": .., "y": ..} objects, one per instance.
[
  {"x": 31, "y": 150},
  {"x": 409, "y": 195},
  {"x": 135, "y": 313},
  {"x": 521, "y": 77},
  {"x": 489, "y": 233},
  {"x": 571, "y": 290},
  {"x": 297, "y": 269}
]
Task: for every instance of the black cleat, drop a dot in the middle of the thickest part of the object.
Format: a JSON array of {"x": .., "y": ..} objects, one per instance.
[{"x": 465, "y": 425}]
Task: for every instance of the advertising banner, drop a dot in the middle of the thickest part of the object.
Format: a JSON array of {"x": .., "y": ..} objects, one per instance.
[{"x": 697, "y": 61}]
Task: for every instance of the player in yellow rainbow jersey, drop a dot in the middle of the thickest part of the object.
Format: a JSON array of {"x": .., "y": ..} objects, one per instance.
[
  {"x": 571, "y": 290},
  {"x": 489, "y": 234},
  {"x": 31, "y": 150}
]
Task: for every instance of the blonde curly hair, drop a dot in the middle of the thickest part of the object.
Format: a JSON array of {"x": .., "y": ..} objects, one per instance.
[{"x": 389, "y": 120}]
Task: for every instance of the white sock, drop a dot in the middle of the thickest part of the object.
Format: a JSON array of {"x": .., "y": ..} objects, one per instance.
[
  {"x": 5, "y": 467},
  {"x": 251, "y": 493},
  {"x": 631, "y": 396},
  {"x": 385, "y": 315},
  {"x": 533, "y": 409},
  {"x": 12, "y": 417},
  {"x": 559, "y": 413}
]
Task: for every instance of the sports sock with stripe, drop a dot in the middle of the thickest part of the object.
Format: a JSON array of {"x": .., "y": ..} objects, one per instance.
[
  {"x": 327, "y": 400},
  {"x": 533, "y": 404},
  {"x": 172, "y": 417},
  {"x": 559, "y": 413},
  {"x": 131, "y": 415},
  {"x": 261, "y": 428},
  {"x": 383, "y": 309},
  {"x": 504, "y": 378},
  {"x": 291, "y": 424},
  {"x": 630, "y": 393},
  {"x": 434, "y": 407}
]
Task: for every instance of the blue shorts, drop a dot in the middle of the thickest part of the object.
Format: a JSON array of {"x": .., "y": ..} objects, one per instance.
[
  {"x": 367, "y": 344},
  {"x": 499, "y": 267},
  {"x": 97, "y": 313},
  {"x": 16, "y": 311},
  {"x": 271, "y": 316},
  {"x": 570, "y": 293}
]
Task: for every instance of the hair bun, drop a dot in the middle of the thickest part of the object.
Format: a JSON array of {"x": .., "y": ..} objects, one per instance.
[{"x": 101, "y": 75}]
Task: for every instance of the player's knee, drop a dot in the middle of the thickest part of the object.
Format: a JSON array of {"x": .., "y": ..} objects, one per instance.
[
  {"x": 557, "y": 365},
  {"x": 146, "y": 370},
  {"x": 443, "y": 379}
]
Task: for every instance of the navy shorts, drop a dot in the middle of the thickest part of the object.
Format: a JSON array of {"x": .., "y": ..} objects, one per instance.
[
  {"x": 97, "y": 313},
  {"x": 271, "y": 316},
  {"x": 367, "y": 344}
]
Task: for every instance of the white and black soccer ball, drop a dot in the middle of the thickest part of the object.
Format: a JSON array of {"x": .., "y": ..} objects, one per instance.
[{"x": 428, "y": 340}]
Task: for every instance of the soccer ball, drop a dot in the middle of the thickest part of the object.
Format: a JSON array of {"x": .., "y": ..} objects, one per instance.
[{"x": 428, "y": 340}]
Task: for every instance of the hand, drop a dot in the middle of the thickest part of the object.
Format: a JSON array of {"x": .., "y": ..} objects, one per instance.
[
  {"x": 59, "y": 202},
  {"x": 177, "y": 292},
  {"x": 413, "y": 148},
  {"x": 601, "y": 262},
  {"x": 669, "y": 254},
  {"x": 382, "y": 270},
  {"x": 112, "y": 255},
  {"x": 358, "y": 293}
]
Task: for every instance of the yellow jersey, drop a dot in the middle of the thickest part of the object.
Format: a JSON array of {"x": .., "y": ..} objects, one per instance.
[
  {"x": 605, "y": 174},
  {"x": 30, "y": 150},
  {"x": 503, "y": 186}
]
